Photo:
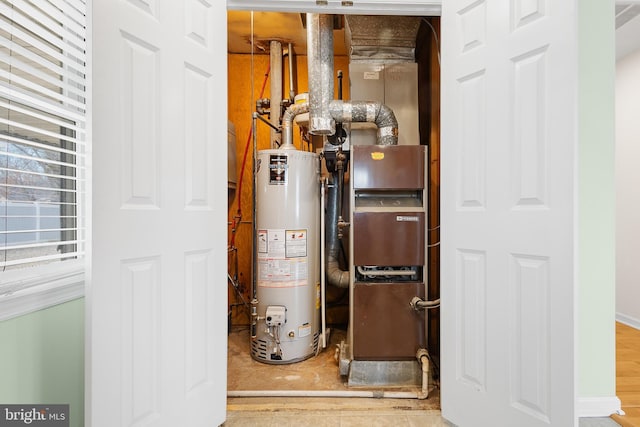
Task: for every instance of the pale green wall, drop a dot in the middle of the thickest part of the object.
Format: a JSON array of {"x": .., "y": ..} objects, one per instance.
[
  {"x": 596, "y": 274},
  {"x": 42, "y": 358}
]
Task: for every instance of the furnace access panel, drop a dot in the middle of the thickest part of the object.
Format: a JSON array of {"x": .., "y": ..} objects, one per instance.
[{"x": 389, "y": 219}]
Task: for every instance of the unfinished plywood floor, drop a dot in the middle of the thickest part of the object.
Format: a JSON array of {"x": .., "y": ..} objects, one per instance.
[
  {"x": 317, "y": 373},
  {"x": 321, "y": 373}
]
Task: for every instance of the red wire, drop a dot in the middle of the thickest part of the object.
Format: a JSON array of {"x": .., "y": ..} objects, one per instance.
[{"x": 238, "y": 217}]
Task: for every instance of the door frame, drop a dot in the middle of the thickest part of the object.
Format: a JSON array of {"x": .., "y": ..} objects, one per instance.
[{"x": 607, "y": 403}]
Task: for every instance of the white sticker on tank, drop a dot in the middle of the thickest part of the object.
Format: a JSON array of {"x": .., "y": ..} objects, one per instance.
[
  {"x": 296, "y": 244},
  {"x": 262, "y": 241},
  {"x": 282, "y": 272},
  {"x": 275, "y": 243},
  {"x": 304, "y": 330}
]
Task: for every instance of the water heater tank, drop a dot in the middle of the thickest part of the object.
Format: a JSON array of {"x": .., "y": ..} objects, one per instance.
[{"x": 286, "y": 321}]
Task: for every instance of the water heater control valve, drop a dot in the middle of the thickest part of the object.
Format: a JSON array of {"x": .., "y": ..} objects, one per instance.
[{"x": 276, "y": 315}]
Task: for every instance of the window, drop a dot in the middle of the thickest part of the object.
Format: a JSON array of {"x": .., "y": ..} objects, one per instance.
[{"x": 42, "y": 148}]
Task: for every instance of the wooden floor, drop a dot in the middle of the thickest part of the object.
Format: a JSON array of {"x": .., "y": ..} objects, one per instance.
[{"x": 628, "y": 374}]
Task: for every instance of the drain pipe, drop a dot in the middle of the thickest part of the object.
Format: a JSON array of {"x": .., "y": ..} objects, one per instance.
[
  {"x": 423, "y": 358},
  {"x": 377, "y": 394}
]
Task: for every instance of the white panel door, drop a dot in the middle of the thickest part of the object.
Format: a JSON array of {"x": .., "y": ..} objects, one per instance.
[
  {"x": 508, "y": 183},
  {"x": 157, "y": 292}
]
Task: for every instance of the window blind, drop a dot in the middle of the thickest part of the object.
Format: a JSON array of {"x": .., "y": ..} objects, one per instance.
[{"x": 42, "y": 131}]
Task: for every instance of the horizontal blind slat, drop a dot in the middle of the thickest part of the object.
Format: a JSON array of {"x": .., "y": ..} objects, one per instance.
[
  {"x": 78, "y": 66},
  {"x": 38, "y": 130},
  {"x": 49, "y": 119},
  {"x": 56, "y": 83},
  {"x": 37, "y": 230},
  {"x": 39, "y": 159},
  {"x": 54, "y": 27},
  {"x": 69, "y": 178},
  {"x": 42, "y": 202},
  {"x": 41, "y": 259},
  {"x": 37, "y": 144},
  {"x": 34, "y": 216},
  {"x": 62, "y": 17},
  {"x": 51, "y": 37},
  {"x": 73, "y": 12},
  {"x": 40, "y": 60},
  {"x": 44, "y": 91},
  {"x": 13, "y": 93},
  {"x": 35, "y": 187}
]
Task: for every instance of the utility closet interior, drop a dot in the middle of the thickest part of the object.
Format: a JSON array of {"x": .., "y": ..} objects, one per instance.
[{"x": 333, "y": 201}]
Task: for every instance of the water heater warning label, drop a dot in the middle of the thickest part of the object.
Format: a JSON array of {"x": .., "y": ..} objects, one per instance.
[
  {"x": 282, "y": 258},
  {"x": 271, "y": 243},
  {"x": 282, "y": 273},
  {"x": 304, "y": 330},
  {"x": 278, "y": 169},
  {"x": 296, "y": 244}
]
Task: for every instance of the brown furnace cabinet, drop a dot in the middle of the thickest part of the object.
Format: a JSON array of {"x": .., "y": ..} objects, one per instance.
[{"x": 389, "y": 208}]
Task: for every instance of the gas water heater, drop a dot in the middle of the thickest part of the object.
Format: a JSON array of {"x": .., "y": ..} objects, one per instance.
[{"x": 286, "y": 307}]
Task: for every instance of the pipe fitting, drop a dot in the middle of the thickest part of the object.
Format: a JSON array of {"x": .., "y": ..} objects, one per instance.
[
  {"x": 254, "y": 318},
  {"x": 423, "y": 358},
  {"x": 287, "y": 124},
  {"x": 422, "y": 352},
  {"x": 367, "y": 111},
  {"x": 418, "y": 304}
]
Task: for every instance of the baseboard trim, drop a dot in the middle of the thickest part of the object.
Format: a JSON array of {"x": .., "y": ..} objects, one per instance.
[
  {"x": 628, "y": 320},
  {"x": 599, "y": 406}
]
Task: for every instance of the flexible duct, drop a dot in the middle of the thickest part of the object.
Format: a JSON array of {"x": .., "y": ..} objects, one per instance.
[
  {"x": 365, "y": 111},
  {"x": 324, "y": 112}
]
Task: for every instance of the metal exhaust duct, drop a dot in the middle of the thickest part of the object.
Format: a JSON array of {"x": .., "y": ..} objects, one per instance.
[
  {"x": 275, "y": 54},
  {"x": 366, "y": 111},
  {"x": 324, "y": 111},
  {"x": 381, "y": 39},
  {"x": 320, "y": 64}
]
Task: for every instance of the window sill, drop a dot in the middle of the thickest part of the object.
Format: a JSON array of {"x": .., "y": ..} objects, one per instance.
[{"x": 23, "y": 292}]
